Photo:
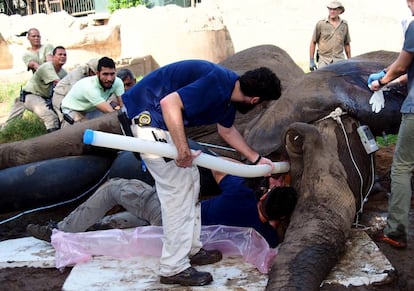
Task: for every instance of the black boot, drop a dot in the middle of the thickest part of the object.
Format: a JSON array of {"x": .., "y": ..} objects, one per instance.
[{"x": 188, "y": 277}]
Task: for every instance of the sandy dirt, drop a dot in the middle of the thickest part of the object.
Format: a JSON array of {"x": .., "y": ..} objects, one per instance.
[{"x": 52, "y": 279}]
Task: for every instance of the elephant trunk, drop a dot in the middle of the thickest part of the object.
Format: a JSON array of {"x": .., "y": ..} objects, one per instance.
[{"x": 325, "y": 210}]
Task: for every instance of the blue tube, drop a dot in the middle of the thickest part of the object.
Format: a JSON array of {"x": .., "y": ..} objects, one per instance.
[{"x": 88, "y": 136}]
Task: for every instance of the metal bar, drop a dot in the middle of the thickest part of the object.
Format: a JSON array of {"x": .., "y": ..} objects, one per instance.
[{"x": 216, "y": 146}]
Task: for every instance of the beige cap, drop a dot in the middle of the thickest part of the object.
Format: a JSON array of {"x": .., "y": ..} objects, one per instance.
[
  {"x": 336, "y": 4},
  {"x": 93, "y": 65}
]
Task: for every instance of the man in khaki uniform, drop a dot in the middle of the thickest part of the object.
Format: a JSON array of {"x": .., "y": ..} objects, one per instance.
[
  {"x": 38, "y": 90},
  {"x": 34, "y": 56},
  {"x": 332, "y": 37}
]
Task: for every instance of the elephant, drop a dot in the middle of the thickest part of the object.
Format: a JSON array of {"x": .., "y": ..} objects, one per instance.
[
  {"x": 332, "y": 174},
  {"x": 305, "y": 97},
  {"x": 331, "y": 189},
  {"x": 314, "y": 95},
  {"x": 68, "y": 140}
]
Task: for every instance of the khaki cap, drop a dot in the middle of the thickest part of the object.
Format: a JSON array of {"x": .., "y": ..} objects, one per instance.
[
  {"x": 93, "y": 65},
  {"x": 336, "y": 4}
]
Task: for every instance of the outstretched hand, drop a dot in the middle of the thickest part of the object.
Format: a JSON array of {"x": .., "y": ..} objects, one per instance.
[
  {"x": 266, "y": 161},
  {"x": 375, "y": 77},
  {"x": 186, "y": 160}
]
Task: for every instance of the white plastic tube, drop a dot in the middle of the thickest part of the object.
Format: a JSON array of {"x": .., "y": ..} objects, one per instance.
[{"x": 127, "y": 143}]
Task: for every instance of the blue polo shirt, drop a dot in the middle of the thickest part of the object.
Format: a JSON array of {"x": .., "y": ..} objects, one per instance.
[
  {"x": 236, "y": 206},
  {"x": 205, "y": 89}
]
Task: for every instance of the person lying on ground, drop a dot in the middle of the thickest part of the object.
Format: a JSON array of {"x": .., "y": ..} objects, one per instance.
[{"x": 236, "y": 205}]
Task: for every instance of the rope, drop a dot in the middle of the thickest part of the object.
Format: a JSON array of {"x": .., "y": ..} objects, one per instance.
[{"x": 336, "y": 115}]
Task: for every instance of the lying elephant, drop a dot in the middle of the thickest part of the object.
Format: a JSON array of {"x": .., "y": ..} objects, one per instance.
[
  {"x": 68, "y": 140},
  {"x": 331, "y": 189},
  {"x": 305, "y": 97},
  {"x": 332, "y": 175},
  {"x": 316, "y": 94}
]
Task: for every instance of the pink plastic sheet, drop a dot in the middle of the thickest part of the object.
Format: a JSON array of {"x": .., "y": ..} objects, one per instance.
[{"x": 74, "y": 248}]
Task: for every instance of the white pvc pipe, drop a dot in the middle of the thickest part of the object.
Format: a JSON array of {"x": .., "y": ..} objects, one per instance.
[{"x": 127, "y": 143}]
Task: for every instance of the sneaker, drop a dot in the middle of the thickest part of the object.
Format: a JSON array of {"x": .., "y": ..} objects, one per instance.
[
  {"x": 381, "y": 237},
  {"x": 42, "y": 232},
  {"x": 204, "y": 257},
  {"x": 188, "y": 277}
]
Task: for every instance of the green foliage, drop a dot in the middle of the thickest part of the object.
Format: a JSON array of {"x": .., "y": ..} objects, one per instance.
[
  {"x": 119, "y": 4},
  {"x": 10, "y": 91},
  {"x": 20, "y": 129},
  {"x": 387, "y": 140}
]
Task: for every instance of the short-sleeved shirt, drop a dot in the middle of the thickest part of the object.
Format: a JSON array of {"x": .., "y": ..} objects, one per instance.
[
  {"x": 42, "y": 80},
  {"x": 408, "y": 104},
  {"x": 38, "y": 56},
  {"x": 331, "y": 40},
  {"x": 71, "y": 78},
  {"x": 236, "y": 206},
  {"x": 88, "y": 92},
  {"x": 205, "y": 89}
]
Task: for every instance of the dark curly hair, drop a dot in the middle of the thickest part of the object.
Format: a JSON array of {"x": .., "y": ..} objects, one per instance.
[
  {"x": 261, "y": 82},
  {"x": 106, "y": 62},
  {"x": 280, "y": 202}
]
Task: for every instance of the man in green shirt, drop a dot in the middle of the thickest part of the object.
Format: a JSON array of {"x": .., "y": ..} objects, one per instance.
[
  {"x": 63, "y": 87},
  {"x": 88, "y": 98},
  {"x": 34, "y": 56},
  {"x": 38, "y": 90}
]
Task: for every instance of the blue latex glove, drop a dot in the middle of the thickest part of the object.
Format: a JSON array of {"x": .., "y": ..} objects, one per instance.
[
  {"x": 312, "y": 66},
  {"x": 375, "y": 76}
]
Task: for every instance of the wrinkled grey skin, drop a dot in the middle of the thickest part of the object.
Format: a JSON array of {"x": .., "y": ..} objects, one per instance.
[
  {"x": 317, "y": 94},
  {"x": 305, "y": 97},
  {"x": 329, "y": 194},
  {"x": 65, "y": 142},
  {"x": 68, "y": 141}
]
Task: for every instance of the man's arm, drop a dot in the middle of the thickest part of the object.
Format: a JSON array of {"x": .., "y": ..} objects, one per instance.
[
  {"x": 172, "y": 107},
  {"x": 396, "y": 69},
  {"x": 104, "y": 107},
  {"x": 347, "y": 48},
  {"x": 312, "y": 48},
  {"x": 233, "y": 137}
]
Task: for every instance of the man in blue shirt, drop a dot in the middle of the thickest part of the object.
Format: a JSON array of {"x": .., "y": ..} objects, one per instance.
[{"x": 184, "y": 94}]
